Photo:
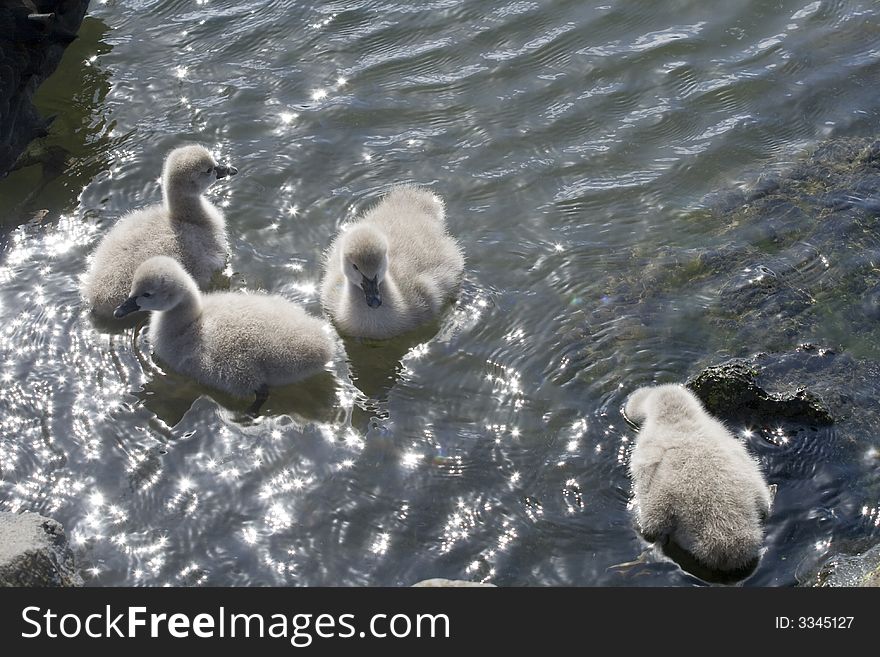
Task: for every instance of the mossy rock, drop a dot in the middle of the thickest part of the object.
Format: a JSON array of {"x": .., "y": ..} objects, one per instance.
[
  {"x": 731, "y": 390},
  {"x": 809, "y": 385}
]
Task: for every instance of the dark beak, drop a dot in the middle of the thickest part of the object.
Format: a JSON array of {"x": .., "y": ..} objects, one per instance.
[
  {"x": 224, "y": 170},
  {"x": 371, "y": 291},
  {"x": 127, "y": 307}
]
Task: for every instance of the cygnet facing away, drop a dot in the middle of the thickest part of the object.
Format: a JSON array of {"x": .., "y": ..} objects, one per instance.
[
  {"x": 237, "y": 342},
  {"x": 392, "y": 270},
  {"x": 186, "y": 226},
  {"x": 694, "y": 482}
]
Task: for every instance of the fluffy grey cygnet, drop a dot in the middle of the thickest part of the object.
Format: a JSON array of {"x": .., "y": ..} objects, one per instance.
[
  {"x": 694, "y": 481},
  {"x": 238, "y": 342},
  {"x": 185, "y": 226},
  {"x": 393, "y": 269}
]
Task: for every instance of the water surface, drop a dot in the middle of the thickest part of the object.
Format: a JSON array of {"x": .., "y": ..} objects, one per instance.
[{"x": 575, "y": 144}]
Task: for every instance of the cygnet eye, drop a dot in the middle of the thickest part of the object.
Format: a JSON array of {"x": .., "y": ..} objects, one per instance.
[
  {"x": 355, "y": 267},
  {"x": 147, "y": 294}
]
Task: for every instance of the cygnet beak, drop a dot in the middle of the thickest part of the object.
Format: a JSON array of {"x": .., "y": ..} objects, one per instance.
[
  {"x": 127, "y": 307},
  {"x": 224, "y": 170},
  {"x": 371, "y": 291}
]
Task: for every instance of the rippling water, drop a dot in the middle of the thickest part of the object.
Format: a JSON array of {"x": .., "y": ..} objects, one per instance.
[{"x": 575, "y": 144}]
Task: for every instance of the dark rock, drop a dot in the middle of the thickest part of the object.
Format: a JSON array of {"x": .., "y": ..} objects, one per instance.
[
  {"x": 29, "y": 52},
  {"x": 741, "y": 389},
  {"x": 810, "y": 386},
  {"x": 34, "y": 552}
]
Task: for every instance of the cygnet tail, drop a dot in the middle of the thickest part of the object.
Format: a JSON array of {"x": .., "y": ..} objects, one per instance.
[
  {"x": 729, "y": 546},
  {"x": 419, "y": 197}
]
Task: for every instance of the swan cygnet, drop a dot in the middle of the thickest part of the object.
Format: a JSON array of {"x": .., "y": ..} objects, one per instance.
[
  {"x": 694, "y": 482},
  {"x": 185, "y": 226},
  {"x": 240, "y": 343},
  {"x": 394, "y": 269}
]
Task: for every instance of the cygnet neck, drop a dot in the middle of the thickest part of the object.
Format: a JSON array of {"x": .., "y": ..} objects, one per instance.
[
  {"x": 188, "y": 309},
  {"x": 184, "y": 205}
]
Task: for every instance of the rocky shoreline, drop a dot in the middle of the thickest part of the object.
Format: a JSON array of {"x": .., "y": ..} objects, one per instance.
[{"x": 32, "y": 41}]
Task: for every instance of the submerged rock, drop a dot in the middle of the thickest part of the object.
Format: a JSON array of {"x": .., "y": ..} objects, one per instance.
[
  {"x": 34, "y": 552},
  {"x": 791, "y": 259},
  {"x": 32, "y": 41}
]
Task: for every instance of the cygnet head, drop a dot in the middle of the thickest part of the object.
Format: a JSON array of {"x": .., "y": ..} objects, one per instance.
[
  {"x": 190, "y": 170},
  {"x": 365, "y": 261},
  {"x": 666, "y": 401},
  {"x": 159, "y": 283}
]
